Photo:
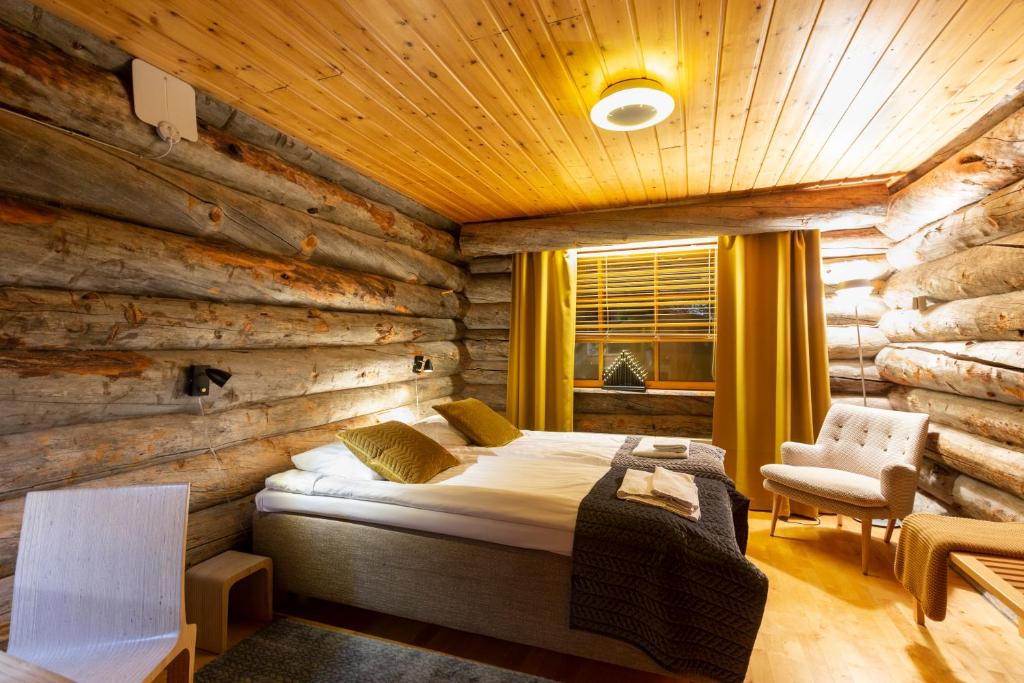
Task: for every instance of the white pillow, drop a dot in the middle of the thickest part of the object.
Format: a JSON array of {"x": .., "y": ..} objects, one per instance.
[
  {"x": 438, "y": 429},
  {"x": 335, "y": 460}
]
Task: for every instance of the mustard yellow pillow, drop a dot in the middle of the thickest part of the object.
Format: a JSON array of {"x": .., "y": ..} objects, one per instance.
[
  {"x": 398, "y": 452},
  {"x": 478, "y": 422}
]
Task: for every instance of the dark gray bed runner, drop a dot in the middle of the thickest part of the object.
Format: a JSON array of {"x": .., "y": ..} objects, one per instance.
[{"x": 681, "y": 591}]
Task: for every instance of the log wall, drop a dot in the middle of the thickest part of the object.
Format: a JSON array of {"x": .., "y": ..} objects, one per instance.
[{"x": 119, "y": 270}]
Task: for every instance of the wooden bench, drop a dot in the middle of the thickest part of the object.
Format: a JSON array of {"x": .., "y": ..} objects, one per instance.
[{"x": 1001, "y": 576}]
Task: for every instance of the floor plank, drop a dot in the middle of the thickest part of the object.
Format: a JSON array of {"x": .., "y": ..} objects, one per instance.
[{"x": 824, "y": 622}]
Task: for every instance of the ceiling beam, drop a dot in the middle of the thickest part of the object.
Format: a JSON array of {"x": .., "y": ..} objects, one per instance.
[{"x": 836, "y": 208}]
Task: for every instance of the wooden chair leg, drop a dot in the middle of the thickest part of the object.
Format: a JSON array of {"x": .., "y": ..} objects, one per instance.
[
  {"x": 865, "y": 543},
  {"x": 180, "y": 670},
  {"x": 919, "y": 612},
  {"x": 839, "y": 521},
  {"x": 888, "y": 529},
  {"x": 776, "y": 505}
]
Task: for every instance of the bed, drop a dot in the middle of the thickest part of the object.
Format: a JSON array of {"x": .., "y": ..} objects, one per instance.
[{"x": 485, "y": 547}]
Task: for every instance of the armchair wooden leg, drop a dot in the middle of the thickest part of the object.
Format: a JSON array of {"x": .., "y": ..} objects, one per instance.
[
  {"x": 839, "y": 521},
  {"x": 776, "y": 505},
  {"x": 888, "y": 529},
  {"x": 865, "y": 543},
  {"x": 919, "y": 610}
]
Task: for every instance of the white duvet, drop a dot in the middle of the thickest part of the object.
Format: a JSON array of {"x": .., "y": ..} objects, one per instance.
[{"x": 537, "y": 480}]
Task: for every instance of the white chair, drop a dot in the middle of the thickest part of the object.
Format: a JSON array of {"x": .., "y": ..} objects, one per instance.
[
  {"x": 864, "y": 464},
  {"x": 99, "y": 586}
]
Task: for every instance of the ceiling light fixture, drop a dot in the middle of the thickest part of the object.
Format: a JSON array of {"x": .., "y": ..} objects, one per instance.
[{"x": 632, "y": 105}]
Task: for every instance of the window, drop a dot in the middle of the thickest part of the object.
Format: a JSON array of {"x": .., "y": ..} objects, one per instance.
[{"x": 656, "y": 303}]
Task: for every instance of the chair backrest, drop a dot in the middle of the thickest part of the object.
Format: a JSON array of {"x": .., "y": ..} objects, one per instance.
[
  {"x": 96, "y": 565},
  {"x": 864, "y": 440}
]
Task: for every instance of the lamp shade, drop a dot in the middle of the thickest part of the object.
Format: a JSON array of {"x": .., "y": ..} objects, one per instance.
[
  {"x": 632, "y": 105},
  {"x": 218, "y": 376}
]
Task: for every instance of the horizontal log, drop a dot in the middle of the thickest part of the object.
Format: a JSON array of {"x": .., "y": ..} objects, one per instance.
[
  {"x": 483, "y": 375},
  {"x": 990, "y": 163},
  {"x": 487, "y": 316},
  {"x": 491, "y": 394},
  {"x": 929, "y": 505},
  {"x": 982, "y": 501},
  {"x": 47, "y": 319},
  {"x": 937, "y": 480},
  {"x": 857, "y": 400},
  {"x": 842, "y": 342},
  {"x": 68, "y": 250},
  {"x": 845, "y": 376},
  {"x": 653, "y": 402},
  {"x": 63, "y": 456},
  {"x": 55, "y": 167},
  {"x": 48, "y": 389},
  {"x": 844, "y": 311},
  {"x": 996, "y": 216},
  {"x": 491, "y": 264},
  {"x": 932, "y": 369},
  {"x": 49, "y": 85},
  {"x": 693, "y": 426},
  {"x": 993, "y": 268},
  {"x": 1008, "y": 354},
  {"x": 978, "y": 457},
  {"x": 993, "y": 420},
  {"x": 489, "y": 289},
  {"x": 852, "y": 206},
  {"x": 473, "y": 333},
  {"x": 215, "y": 529},
  {"x": 869, "y": 267},
  {"x": 859, "y": 241},
  {"x": 486, "y": 349},
  {"x": 231, "y": 474},
  {"x": 987, "y": 318}
]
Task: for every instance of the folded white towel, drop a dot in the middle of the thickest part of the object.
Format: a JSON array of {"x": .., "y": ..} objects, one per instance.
[
  {"x": 661, "y": 447},
  {"x": 638, "y": 486},
  {"x": 678, "y": 487}
]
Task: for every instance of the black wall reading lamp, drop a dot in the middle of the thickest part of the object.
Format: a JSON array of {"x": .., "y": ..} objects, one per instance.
[
  {"x": 421, "y": 364},
  {"x": 198, "y": 378}
]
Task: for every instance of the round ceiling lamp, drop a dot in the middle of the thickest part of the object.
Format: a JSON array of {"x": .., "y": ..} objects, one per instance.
[{"x": 632, "y": 105}]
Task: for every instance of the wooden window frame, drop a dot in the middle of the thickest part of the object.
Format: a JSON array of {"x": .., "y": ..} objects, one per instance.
[{"x": 654, "y": 339}]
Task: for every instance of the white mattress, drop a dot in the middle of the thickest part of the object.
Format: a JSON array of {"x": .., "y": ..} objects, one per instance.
[{"x": 525, "y": 494}]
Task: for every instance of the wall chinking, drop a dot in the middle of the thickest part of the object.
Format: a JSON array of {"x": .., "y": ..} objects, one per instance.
[{"x": 242, "y": 251}]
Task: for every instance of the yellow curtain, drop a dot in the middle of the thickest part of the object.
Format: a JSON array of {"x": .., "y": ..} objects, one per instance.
[
  {"x": 542, "y": 341},
  {"x": 771, "y": 356}
]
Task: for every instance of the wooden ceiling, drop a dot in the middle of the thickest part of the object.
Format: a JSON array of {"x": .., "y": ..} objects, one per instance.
[{"x": 479, "y": 108}]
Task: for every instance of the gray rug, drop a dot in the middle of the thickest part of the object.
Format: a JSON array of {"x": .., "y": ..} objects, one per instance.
[{"x": 293, "y": 652}]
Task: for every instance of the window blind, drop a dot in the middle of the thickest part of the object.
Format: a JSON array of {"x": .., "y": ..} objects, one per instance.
[{"x": 660, "y": 295}]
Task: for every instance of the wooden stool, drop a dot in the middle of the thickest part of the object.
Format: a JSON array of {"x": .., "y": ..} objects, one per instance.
[{"x": 208, "y": 585}]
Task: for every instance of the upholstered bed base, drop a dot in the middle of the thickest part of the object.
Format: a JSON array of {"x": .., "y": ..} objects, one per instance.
[{"x": 494, "y": 590}]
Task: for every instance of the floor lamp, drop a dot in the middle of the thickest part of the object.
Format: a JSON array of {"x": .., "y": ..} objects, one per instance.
[{"x": 857, "y": 292}]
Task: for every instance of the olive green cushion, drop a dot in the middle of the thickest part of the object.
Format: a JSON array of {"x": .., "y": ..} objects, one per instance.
[
  {"x": 478, "y": 422},
  {"x": 398, "y": 452}
]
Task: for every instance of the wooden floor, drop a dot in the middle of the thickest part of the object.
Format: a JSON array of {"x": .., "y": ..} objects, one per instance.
[{"x": 824, "y": 622}]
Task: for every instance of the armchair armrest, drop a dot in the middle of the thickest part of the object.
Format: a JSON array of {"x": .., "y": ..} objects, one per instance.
[
  {"x": 802, "y": 454},
  {"x": 899, "y": 485}
]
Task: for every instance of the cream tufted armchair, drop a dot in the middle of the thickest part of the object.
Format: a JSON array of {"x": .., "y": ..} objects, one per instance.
[{"x": 864, "y": 464}]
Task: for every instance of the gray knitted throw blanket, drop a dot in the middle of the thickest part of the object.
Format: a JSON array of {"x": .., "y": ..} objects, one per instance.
[{"x": 681, "y": 591}]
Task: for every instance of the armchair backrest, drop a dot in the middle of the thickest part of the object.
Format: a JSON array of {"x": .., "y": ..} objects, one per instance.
[
  {"x": 99, "y": 565},
  {"x": 864, "y": 440}
]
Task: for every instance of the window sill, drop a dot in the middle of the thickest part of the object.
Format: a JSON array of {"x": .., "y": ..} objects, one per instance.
[{"x": 649, "y": 392}]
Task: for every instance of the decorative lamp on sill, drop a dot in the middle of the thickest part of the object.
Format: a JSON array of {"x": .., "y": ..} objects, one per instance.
[{"x": 625, "y": 374}]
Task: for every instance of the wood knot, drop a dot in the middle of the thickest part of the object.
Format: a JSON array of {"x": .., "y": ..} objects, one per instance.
[{"x": 216, "y": 214}]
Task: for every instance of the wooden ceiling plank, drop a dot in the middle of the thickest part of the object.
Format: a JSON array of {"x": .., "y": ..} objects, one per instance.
[
  {"x": 577, "y": 45},
  {"x": 927, "y": 82},
  {"x": 959, "y": 112},
  {"x": 381, "y": 79},
  {"x": 702, "y": 47},
  {"x": 924, "y": 26},
  {"x": 615, "y": 31},
  {"x": 788, "y": 39},
  {"x": 746, "y": 26},
  {"x": 874, "y": 34},
  {"x": 529, "y": 40},
  {"x": 838, "y": 208},
  {"x": 392, "y": 27},
  {"x": 832, "y": 32},
  {"x": 479, "y": 82}
]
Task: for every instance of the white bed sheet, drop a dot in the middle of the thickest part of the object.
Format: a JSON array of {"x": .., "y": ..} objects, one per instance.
[{"x": 525, "y": 494}]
